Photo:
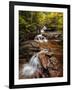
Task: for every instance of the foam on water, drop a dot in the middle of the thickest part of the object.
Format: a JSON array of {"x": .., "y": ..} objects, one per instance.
[
  {"x": 34, "y": 64},
  {"x": 34, "y": 61},
  {"x": 28, "y": 70}
]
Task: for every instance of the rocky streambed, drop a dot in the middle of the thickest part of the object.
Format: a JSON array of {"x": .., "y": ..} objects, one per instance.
[{"x": 55, "y": 52}]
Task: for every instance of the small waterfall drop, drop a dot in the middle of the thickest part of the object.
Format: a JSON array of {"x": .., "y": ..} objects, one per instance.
[
  {"x": 34, "y": 61},
  {"x": 30, "y": 68}
]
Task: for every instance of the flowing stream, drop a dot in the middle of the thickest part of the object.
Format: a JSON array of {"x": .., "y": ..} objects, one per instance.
[{"x": 30, "y": 68}]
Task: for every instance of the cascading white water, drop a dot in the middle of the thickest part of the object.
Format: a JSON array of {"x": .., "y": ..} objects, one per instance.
[
  {"x": 40, "y": 38},
  {"x": 34, "y": 61},
  {"x": 30, "y": 68},
  {"x": 34, "y": 64}
]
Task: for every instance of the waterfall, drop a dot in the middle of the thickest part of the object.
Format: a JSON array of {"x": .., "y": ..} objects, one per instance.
[
  {"x": 33, "y": 65},
  {"x": 40, "y": 38},
  {"x": 30, "y": 68},
  {"x": 34, "y": 61}
]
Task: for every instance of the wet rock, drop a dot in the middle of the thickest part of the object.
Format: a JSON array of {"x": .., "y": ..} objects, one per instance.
[
  {"x": 28, "y": 48},
  {"x": 53, "y": 59}
]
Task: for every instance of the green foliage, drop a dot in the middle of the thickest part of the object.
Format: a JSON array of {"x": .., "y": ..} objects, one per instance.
[{"x": 30, "y": 22}]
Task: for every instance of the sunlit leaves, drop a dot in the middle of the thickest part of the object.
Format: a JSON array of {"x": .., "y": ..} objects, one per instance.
[{"x": 30, "y": 21}]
